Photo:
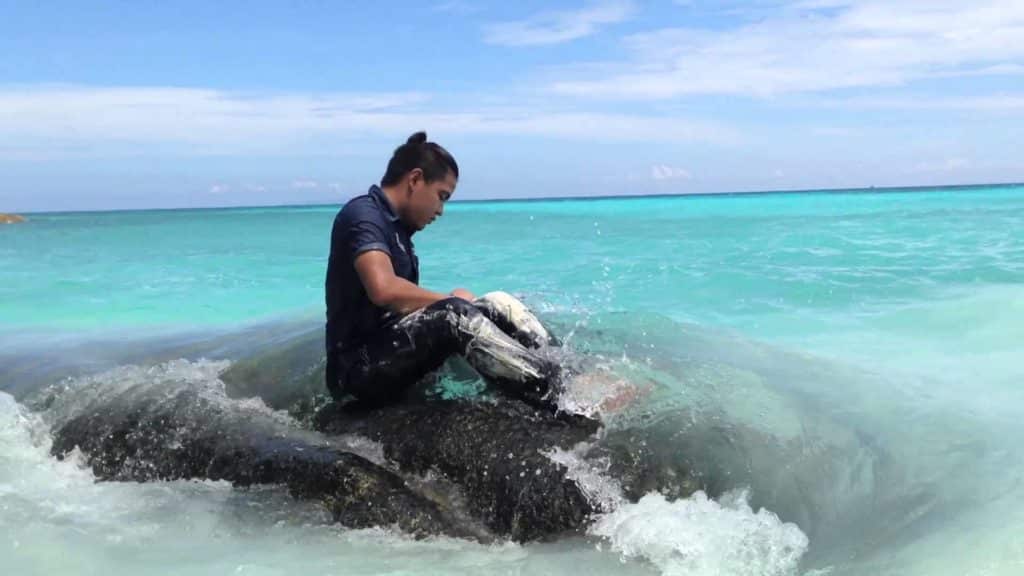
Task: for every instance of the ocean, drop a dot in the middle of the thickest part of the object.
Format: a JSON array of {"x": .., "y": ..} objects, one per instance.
[{"x": 851, "y": 363}]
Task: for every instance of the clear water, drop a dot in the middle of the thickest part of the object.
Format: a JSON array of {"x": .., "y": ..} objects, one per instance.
[{"x": 862, "y": 351}]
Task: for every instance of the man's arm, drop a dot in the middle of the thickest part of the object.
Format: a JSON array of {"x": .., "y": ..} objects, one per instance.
[{"x": 387, "y": 290}]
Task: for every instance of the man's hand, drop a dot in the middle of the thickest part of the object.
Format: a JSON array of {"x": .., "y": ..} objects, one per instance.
[{"x": 464, "y": 294}]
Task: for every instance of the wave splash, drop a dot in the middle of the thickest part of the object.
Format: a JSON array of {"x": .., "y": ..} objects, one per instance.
[{"x": 699, "y": 536}]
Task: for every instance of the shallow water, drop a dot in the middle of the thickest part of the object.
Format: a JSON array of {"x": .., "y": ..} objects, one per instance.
[{"x": 846, "y": 366}]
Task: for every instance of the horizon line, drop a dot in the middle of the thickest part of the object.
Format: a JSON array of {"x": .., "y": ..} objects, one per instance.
[{"x": 869, "y": 189}]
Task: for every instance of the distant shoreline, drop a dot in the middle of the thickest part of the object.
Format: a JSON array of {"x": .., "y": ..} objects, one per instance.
[{"x": 871, "y": 190}]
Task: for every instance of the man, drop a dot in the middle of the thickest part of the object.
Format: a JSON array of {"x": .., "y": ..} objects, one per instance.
[{"x": 385, "y": 332}]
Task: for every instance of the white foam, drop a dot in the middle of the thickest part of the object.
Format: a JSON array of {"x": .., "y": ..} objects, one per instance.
[
  {"x": 25, "y": 453},
  {"x": 602, "y": 491},
  {"x": 698, "y": 536},
  {"x": 75, "y": 395}
]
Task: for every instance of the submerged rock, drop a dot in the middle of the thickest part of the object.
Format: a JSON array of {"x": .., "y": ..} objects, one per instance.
[
  {"x": 11, "y": 218},
  {"x": 287, "y": 375},
  {"x": 469, "y": 469},
  {"x": 166, "y": 432},
  {"x": 473, "y": 468}
]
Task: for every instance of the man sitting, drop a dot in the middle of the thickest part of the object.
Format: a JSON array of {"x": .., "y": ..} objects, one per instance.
[{"x": 385, "y": 332}]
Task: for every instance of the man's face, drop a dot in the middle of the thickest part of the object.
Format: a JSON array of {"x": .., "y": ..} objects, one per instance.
[{"x": 427, "y": 199}]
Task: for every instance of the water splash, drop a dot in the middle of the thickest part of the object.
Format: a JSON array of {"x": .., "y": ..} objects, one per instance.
[
  {"x": 74, "y": 395},
  {"x": 698, "y": 536},
  {"x": 590, "y": 475}
]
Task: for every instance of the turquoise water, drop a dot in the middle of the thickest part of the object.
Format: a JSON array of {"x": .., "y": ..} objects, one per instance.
[{"x": 865, "y": 347}]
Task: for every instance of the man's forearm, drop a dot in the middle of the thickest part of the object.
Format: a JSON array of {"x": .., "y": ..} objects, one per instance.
[{"x": 404, "y": 297}]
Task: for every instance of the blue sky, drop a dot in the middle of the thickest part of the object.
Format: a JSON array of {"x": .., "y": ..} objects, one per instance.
[{"x": 145, "y": 104}]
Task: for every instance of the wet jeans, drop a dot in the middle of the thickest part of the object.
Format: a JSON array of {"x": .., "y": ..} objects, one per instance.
[{"x": 496, "y": 334}]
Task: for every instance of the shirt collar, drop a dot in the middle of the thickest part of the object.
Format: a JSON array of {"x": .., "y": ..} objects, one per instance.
[{"x": 382, "y": 198}]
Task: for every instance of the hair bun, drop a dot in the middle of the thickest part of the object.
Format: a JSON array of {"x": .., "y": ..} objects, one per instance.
[{"x": 435, "y": 162}]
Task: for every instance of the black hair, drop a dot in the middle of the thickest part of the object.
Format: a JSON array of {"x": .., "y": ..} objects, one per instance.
[{"x": 430, "y": 157}]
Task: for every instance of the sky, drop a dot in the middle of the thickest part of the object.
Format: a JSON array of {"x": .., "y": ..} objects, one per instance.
[{"x": 144, "y": 104}]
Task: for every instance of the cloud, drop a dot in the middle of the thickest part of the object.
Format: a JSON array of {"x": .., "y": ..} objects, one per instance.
[
  {"x": 665, "y": 172},
  {"x": 991, "y": 103},
  {"x": 814, "y": 47},
  {"x": 305, "y": 185},
  {"x": 457, "y": 7},
  {"x": 206, "y": 121},
  {"x": 219, "y": 189},
  {"x": 996, "y": 70},
  {"x": 85, "y": 120},
  {"x": 558, "y": 27}
]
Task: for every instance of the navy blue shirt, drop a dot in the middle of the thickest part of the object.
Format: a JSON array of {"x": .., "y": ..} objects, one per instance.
[{"x": 365, "y": 223}]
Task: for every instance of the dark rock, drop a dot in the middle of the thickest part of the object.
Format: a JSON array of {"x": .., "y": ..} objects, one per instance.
[
  {"x": 496, "y": 452},
  {"x": 155, "y": 433}
]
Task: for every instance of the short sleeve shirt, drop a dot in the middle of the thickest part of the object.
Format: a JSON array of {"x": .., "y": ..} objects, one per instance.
[{"x": 365, "y": 223}]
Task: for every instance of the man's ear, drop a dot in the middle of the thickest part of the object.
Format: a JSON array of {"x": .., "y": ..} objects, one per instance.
[{"x": 415, "y": 178}]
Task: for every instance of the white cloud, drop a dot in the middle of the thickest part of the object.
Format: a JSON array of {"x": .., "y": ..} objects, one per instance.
[
  {"x": 80, "y": 120},
  {"x": 558, "y": 27},
  {"x": 460, "y": 7},
  {"x": 996, "y": 70},
  {"x": 305, "y": 185},
  {"x": 219, "y": 189},
  {"x": 666, "y": 172},
  {"x": 208, "y": 121},
  {"x": 813, "y": 47},
  {"x": 991, "y": 103}
]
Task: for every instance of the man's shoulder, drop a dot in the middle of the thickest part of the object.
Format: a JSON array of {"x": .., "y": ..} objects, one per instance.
[{"x": 360, "y": 208}]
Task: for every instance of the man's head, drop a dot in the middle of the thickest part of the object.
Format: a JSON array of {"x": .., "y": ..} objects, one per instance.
[{"x": 423, "y": 176}]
